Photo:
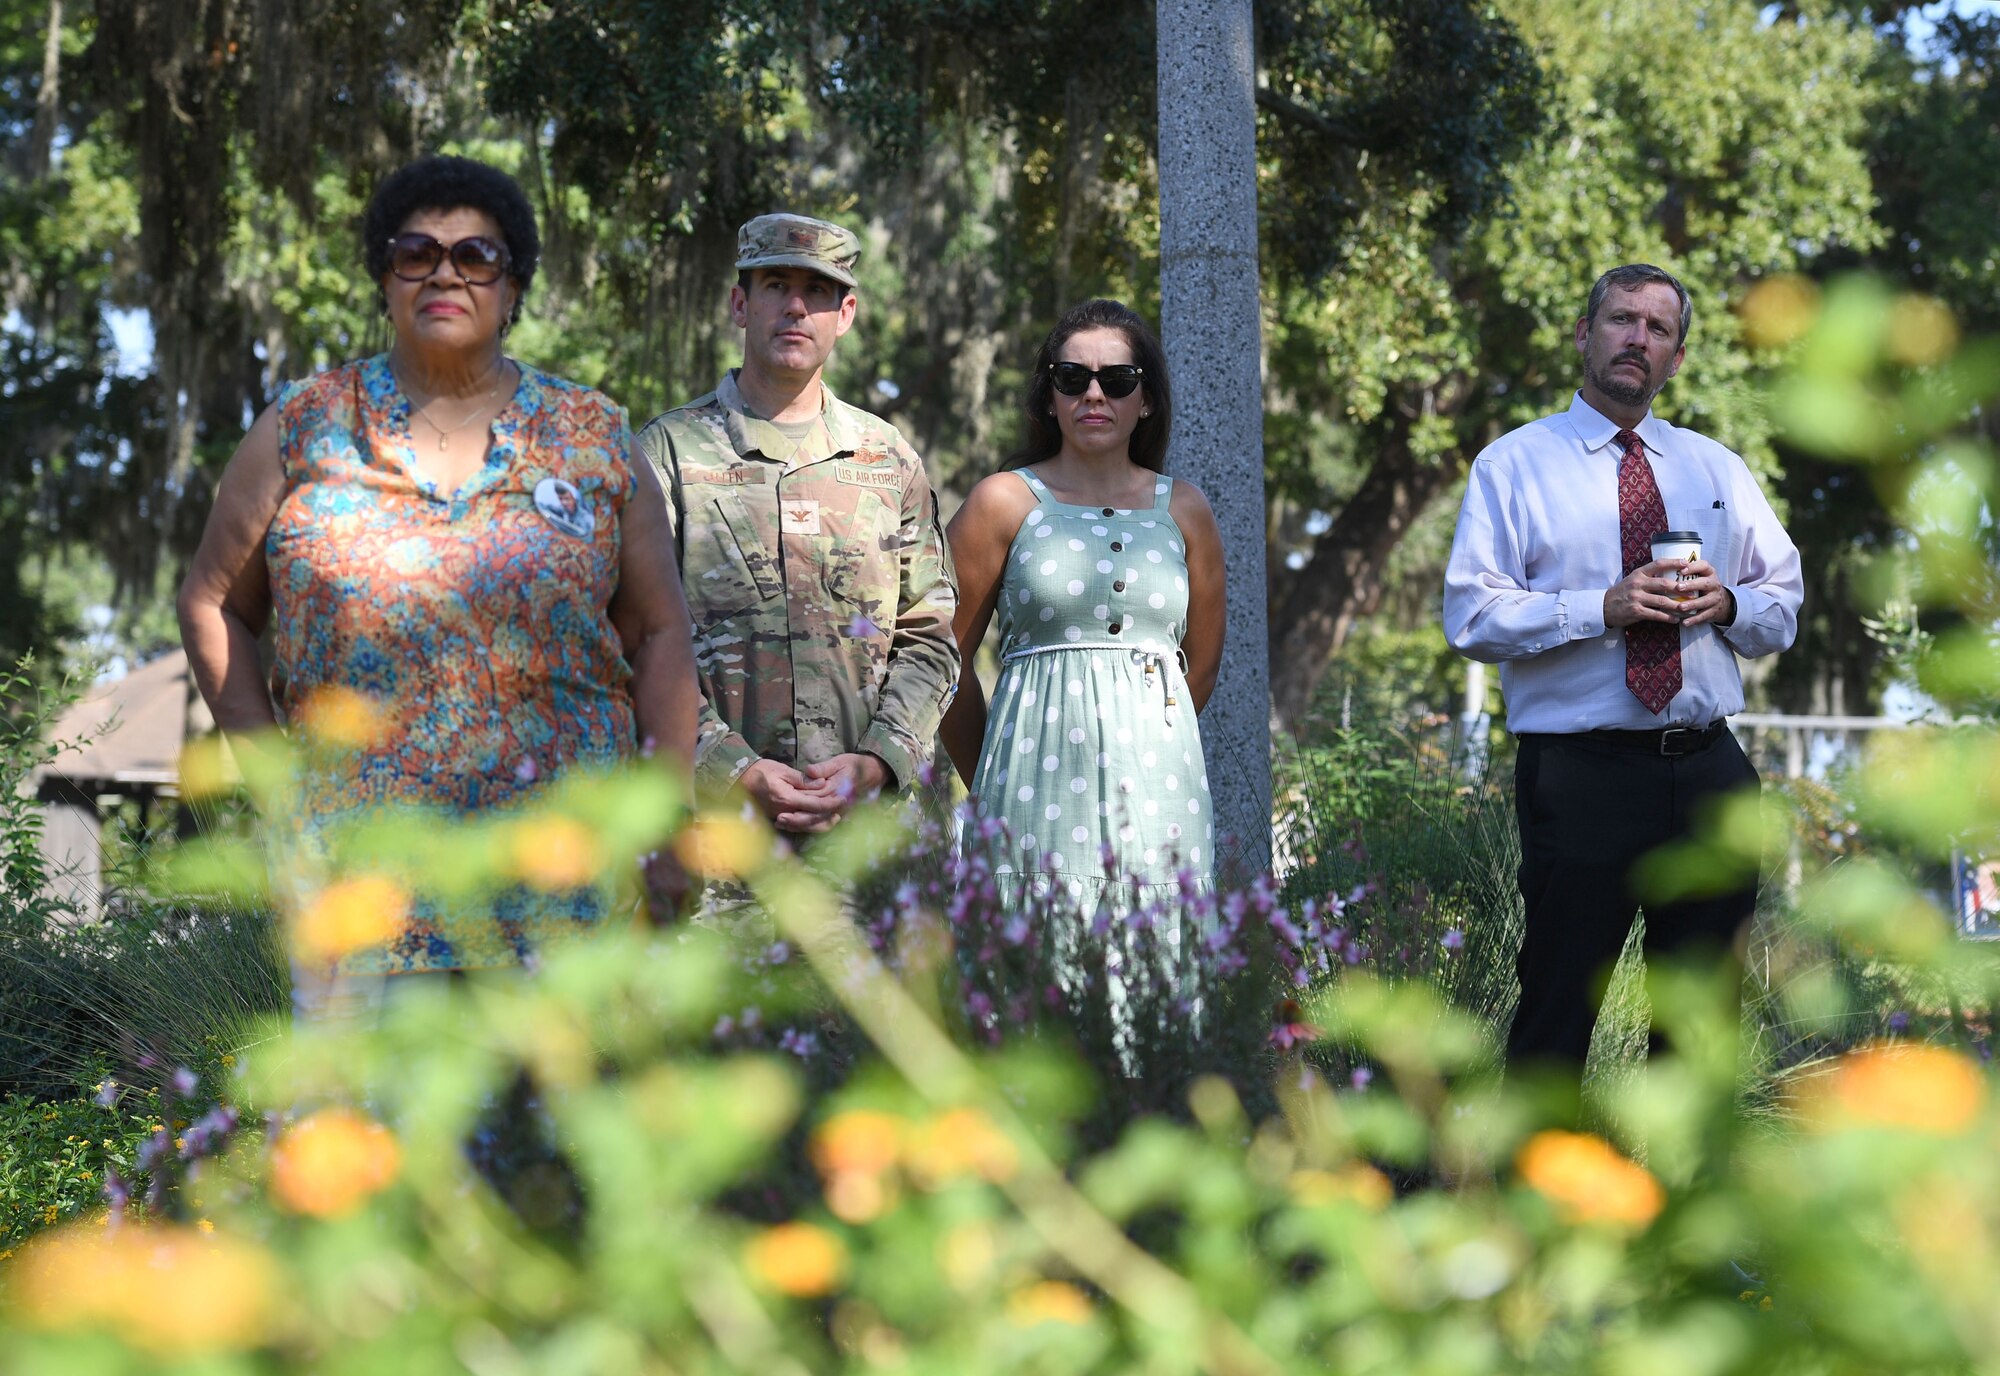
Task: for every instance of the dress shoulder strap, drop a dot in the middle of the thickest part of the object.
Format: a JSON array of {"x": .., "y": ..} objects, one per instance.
[
  {"x": 1163, "y": 493},
  {"x": 1035, "y": 484}
]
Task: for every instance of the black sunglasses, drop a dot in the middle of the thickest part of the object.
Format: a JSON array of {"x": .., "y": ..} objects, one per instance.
[
  {"x": 1118, "y": 380},
  {"x": 414, "y": 257}
]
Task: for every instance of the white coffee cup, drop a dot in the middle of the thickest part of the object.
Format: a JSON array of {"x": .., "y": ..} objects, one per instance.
[{"x": 1678, "y": 544}]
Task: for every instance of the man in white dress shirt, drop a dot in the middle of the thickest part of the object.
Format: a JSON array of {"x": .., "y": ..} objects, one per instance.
[{"x": 1617, "y": 674}]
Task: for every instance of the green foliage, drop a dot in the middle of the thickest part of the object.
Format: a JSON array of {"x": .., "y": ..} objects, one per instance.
[
  {"x": 149, "y": 981},
  {"x": 54, "y": 1155},
  {"x": 154, "y": 980},
  {"x": 1939, "y": 190}
]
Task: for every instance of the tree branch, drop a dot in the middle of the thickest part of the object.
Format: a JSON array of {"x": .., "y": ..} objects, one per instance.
[{"x": 1287, "y": 109}]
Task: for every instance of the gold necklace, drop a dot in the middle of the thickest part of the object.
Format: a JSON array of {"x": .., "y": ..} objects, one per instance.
[{"x": 444, "y": 433}]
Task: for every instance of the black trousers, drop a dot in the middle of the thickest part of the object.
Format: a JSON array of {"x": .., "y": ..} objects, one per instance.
[{"x": 1590, "y": 805}]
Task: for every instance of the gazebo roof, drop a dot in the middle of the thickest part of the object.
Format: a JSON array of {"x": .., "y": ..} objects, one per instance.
[{"x": 127, "y": 732}]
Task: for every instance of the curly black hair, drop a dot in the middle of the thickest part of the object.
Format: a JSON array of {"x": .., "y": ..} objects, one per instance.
[
  {"x": 442, "y": 182},
  {"x": 1149, "y": 439}
]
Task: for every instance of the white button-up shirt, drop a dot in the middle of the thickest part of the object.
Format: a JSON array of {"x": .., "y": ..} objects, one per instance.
[{"x": 1537, "y": 548}]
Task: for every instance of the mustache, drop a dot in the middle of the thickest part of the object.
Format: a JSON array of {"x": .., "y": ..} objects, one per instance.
[{"x": 1629, "y": 357}]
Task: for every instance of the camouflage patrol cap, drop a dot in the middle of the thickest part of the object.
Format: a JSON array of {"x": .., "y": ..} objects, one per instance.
[{"x": 798, "y": 241}]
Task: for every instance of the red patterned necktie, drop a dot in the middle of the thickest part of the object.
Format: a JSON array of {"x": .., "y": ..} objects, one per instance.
[{"x": 1652, "y": 648}]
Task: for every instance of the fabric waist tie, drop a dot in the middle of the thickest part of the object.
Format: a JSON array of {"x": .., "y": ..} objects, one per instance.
[{"x": 1154, "y": 661}]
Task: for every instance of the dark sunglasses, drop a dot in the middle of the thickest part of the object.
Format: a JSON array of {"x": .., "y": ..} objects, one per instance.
[
  {"x": 1118, "y": 380},
  {"x": 414, "y": 257}
]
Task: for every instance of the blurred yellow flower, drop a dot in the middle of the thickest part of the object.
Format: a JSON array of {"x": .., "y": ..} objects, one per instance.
[
  {"x": 1048, "y": 1301},
  {"x": 1360, "y": 1183},
  {"x": 170, "y": 1290},
  {"x": 797, "y": 1259},
  {"x": 348, "y": 915},
  {"x": 1588, "y": 1181},
  {"x": 341, "y": 716},
  {"x": 207, "y": 770},
  {"x": 327, "y": 1164},
  {"x": 966, "y": 1254},
  {"x": 554, "y": 853},
  {"x": 960, "y": 1141},
  {"x": 857, "y": 1196},
  {"x": 723, "y": 845},
  {"x": 1909, "y": 1085},
  {"x": 1779, "y": 309},
  {"x": 860, "y": 1140},
  {"x": 1921, "y": 331}
]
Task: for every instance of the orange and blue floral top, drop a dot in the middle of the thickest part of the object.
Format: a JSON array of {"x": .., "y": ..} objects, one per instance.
[{"x": 476, "y": 620}]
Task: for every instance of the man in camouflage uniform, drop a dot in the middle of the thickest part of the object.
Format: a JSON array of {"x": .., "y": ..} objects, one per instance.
[{"x": 811, "y": 553}]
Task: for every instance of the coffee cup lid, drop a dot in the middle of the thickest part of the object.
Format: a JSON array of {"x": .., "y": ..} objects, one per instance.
[{"x": 1678, "y": 537}]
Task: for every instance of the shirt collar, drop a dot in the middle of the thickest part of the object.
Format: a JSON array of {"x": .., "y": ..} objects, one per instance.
[
  {"x": 1596, "y": 429},
  {"x": 751, "y": 433}
]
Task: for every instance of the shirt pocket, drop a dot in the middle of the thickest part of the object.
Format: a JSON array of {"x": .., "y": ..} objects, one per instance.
[
  {"x": 1717, "y": 527},
  {"x": 730, "y": 568}
]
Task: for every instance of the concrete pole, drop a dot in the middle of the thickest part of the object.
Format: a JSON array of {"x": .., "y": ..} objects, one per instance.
[{"x": 1209, "y": 323}]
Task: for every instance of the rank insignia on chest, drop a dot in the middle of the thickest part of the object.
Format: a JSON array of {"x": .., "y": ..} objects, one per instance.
[{"x": 798, "y": 517}]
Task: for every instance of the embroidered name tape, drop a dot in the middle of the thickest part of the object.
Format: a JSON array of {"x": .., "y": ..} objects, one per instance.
[{"x": 864, "y": 475}]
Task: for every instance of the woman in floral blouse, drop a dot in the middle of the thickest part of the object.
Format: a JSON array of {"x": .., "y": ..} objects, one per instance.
[{"x": 469, "y": 544}]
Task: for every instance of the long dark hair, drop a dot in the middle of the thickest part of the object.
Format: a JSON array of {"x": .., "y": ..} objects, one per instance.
[{"x": 1149, "y": 439}]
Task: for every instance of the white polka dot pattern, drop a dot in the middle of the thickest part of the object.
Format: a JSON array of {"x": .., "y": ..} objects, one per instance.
[{"x": 1096, "y": 602}]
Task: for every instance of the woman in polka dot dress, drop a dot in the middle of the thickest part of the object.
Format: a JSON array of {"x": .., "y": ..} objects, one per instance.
[{"x": 1107, "y": 579}]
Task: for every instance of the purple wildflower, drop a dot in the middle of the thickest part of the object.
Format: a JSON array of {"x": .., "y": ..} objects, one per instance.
[
  {"x": 1281, "y": 923},
  {"x": 526, "y": 772},
  {"x": 207, "y": 1133},
  {"x": 154, "y": 1150},
  {"x": 1361, "y": 1077}
]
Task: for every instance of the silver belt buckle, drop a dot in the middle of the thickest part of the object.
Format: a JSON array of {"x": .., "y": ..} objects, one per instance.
[{"x": 1673, "y": 731}]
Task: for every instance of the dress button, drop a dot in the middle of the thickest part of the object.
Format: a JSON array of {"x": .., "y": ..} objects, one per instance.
[
  {"x": 1119, "y": 586},
  {"x": 1117, "y": 545},
  {"x": 1114, "y": 628},
  {"x": 1109, "y": 512}
]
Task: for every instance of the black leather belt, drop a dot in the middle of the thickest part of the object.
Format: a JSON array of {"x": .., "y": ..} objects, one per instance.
[{"x": 1675, "y": 740}]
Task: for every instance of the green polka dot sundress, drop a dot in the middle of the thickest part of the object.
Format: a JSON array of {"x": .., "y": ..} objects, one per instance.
[{"x": 1091, "y": 738}]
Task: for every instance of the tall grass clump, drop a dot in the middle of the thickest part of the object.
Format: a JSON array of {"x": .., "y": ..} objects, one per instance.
[{"x": 159, "y": 980}]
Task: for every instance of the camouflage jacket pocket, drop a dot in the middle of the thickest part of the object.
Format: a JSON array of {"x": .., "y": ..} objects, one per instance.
[
  {"x": 730, "y": 569},
  {"x": 860, "y": 557}
]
